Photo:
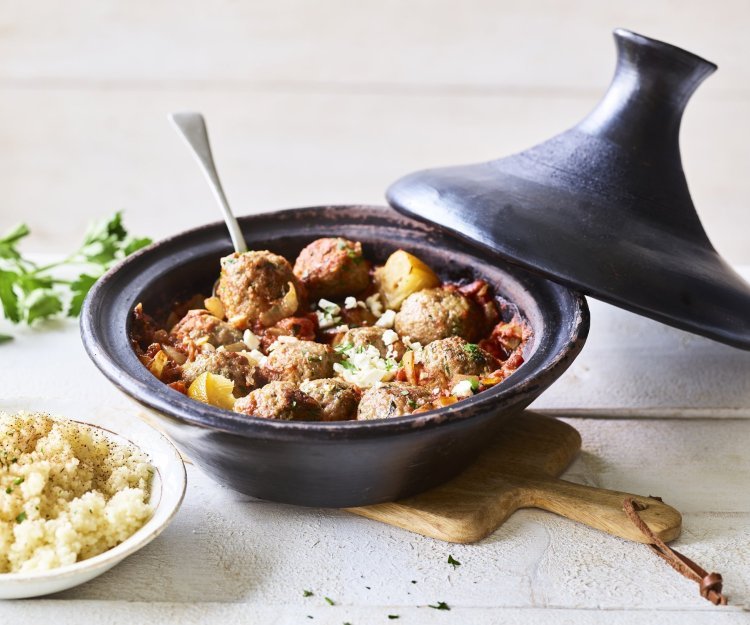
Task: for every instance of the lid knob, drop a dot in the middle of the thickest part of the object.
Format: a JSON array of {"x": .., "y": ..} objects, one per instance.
[{"x": 643, "y": 106}]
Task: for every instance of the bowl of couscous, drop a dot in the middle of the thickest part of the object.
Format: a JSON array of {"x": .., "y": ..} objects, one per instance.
[{"x": 76, "y": 499}]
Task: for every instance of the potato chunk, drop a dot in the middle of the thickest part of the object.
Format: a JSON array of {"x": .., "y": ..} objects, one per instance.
[
  {"x": 213, "y": 389},
  {"x": 402, "y": 275}
]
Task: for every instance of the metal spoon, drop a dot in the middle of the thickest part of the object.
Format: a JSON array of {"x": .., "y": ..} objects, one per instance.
[{"x": 192, "y": 128}]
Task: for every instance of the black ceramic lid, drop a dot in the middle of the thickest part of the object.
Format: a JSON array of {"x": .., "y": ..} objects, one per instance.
[{"x": 604, "y": 207}]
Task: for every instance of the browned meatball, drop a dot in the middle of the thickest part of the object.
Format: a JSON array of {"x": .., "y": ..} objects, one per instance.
[
  {"x": 372, "y": 335},
  {"x": 279, "y": 400},
  {"x": 197, "y": 324},
  {"x": 297, "y": 361},
  {"x": 231, "y": 365},
  {"x": 433, "y": 314},
  {"x": 332, "y": 267},
  {"x": 337, "y": 398},
  {"x": 256, "y": 288},
  {"x": 445, "y": 359},
  {"x": 392, "y": 400}
]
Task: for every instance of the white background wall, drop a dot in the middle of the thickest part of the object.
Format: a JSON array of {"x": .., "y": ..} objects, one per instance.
[{"x": 329, "y": 101}]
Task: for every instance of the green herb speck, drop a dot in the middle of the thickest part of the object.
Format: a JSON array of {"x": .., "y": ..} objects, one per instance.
[
  {"x": 329, "y": 601},
  {"x": 453, "y": 562},
  {"x": 393, "y": 616},
  {"x": 9, "y": 490},
  {"x": 21, "y": 517},
  {"x": 441, "y": 605},
  {"x": 18, "y": 480},
  {"x": 307, "y": 593}
]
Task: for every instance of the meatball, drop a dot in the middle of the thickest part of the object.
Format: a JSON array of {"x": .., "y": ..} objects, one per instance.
[
  {"x": 279, "y": 400},
  {"x": 231, "y": 365},
  {"x": 257, "y": 287},
  {"x": 197, "y": 324},
  {"x": 297, "y": 361},
  {"x": 337, "y": 398},
  {"x": 433, "y": 314},
  {"x": 377, "y": 337},
  {"x": 392, "y": 400},
  {"x": 442, "y": 360},
  {"x": 332, "y": 267}
]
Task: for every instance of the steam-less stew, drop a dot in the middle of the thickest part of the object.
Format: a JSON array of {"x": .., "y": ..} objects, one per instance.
[{"x": 332, "y": 337}]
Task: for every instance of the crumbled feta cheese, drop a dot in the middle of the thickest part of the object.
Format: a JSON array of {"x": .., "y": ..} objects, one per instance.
[
  {"x": 415, "y": 346},
  {"x": 249, "y": 339},
  {"x": 342, "y": 328},
  {"x": 329, "y": 317},
  {"x": 365, "y": 367},
  {"x": 350, "y": 303},
  {"x": 386, "y": 319},
  {"x": 254, "y": 357},
  {"x": 374, "y": 304},
  {"x": 389, "y": 337},
  {"x": 332, "y": 308},
  {"x": 463, "y": 389}
]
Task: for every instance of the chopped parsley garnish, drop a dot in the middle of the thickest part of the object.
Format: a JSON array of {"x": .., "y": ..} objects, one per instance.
[
  {"x": 348, "y": 365},
  {"x": 18, "y": 480},
  {"x": 342, "y": 348},
  {"x": 393, "y": 616},
  {"x": 453, "y": 562},
  {"x": 21, "y": 517},
  {"x": 441, "y": 605},
  {"x": 329, "y": 601},
  {"x": 474, "y": 384},
  {"x": 471, "y": 348},
  {"x": 307, "y": 593},
  {"x": 412, "y": 403},
  {"x": 9, "y": 490}
]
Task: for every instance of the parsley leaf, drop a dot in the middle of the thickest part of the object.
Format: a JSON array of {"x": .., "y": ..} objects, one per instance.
[
  {"x": 30, "y": 293},
  {"x": 42, "y": 304},
  {"x": 453, "y": 562},
  {"x": 441, "y": 605},
  {"x": 4, "y": 338},
  {"x": 307, "y": 593},
  {"x": 329, "y": 601}
]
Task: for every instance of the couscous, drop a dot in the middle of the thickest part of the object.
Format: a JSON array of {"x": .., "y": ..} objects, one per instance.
[{"x": 67, "y": 492}]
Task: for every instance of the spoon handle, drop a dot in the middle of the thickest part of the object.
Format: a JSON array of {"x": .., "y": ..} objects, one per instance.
[{"x": 192, "y": 128}]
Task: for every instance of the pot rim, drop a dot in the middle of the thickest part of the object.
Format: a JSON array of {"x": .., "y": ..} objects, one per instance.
[{"x": 155, "y": 395}]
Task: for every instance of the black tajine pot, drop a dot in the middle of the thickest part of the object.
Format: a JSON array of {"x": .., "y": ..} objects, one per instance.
[{"x": 339, "y": 464}]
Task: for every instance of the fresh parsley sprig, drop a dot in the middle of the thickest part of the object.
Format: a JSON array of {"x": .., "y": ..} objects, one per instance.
[{"x": 30, "y": 292}]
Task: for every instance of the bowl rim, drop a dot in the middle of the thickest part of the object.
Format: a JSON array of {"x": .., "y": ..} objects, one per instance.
[
  {"x": 157, "y": 396},
  {"x": 169, "y": 503}
]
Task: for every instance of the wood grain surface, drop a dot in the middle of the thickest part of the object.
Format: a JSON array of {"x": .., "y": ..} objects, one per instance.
[{"x": 519, "y": 470}]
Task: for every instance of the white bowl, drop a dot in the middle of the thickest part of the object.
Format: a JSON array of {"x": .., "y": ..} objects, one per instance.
[{"x": 167, "y": 492}]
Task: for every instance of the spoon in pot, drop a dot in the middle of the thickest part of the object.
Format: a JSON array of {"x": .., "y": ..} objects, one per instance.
[{"x": 192, "y": 128}]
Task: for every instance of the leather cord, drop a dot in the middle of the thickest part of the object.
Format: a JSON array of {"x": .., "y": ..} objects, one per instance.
[{"x": 709, "y": 584}]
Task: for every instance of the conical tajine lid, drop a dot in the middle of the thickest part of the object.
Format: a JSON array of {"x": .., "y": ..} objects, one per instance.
[{"x": 604, "y": 207}]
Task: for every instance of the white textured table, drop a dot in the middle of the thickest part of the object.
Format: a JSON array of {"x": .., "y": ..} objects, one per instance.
[{"x": 661, "y": 412}]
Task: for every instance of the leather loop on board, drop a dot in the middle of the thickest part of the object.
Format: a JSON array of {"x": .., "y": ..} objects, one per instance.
[{"x": 710, "y": 584}]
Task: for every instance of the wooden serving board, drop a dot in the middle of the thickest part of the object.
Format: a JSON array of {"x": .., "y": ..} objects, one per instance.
[{"x": 519, "y": 470}]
